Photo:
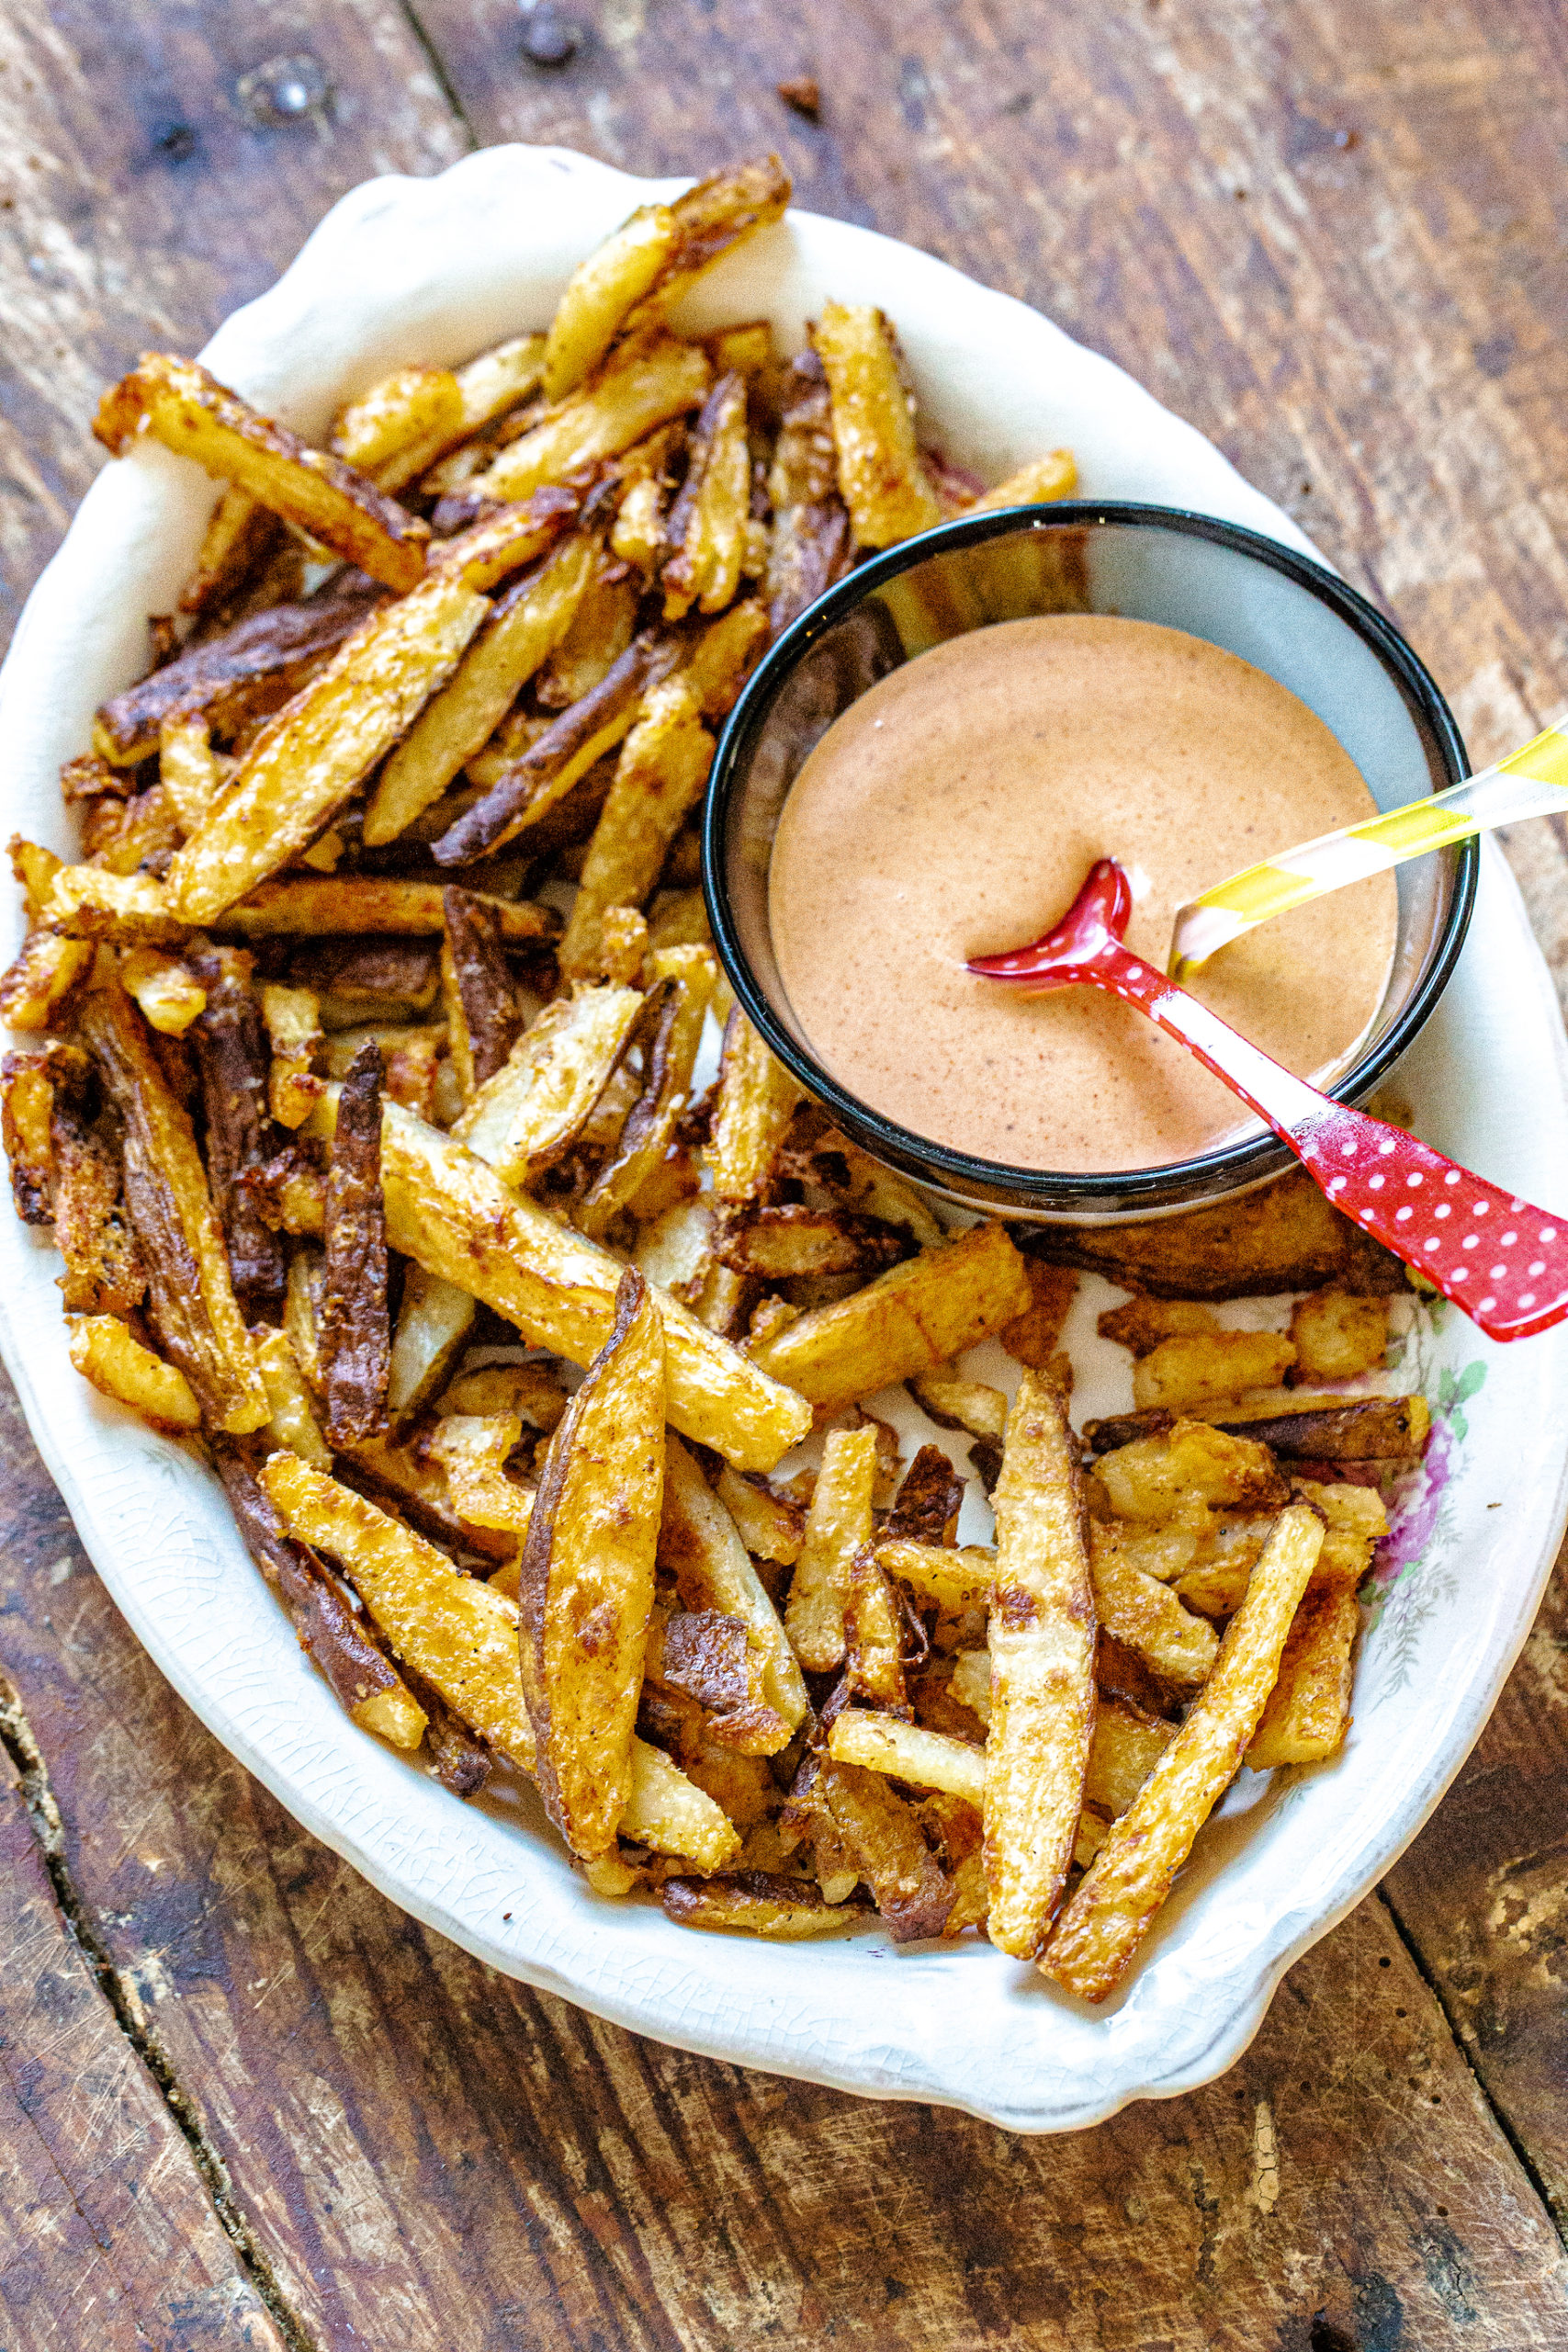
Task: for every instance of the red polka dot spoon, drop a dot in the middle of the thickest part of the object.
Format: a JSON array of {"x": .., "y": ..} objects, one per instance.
[{"x": 1505, "y": 1262}]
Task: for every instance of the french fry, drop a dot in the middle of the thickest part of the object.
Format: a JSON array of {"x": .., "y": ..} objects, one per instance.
[
  {"x": 292, "y": 1019},
  {"x": 757, "y": 1903},
  {"x": 529, "y": 1115},
  {"x": 1194, "y": 1367},
  {"x": 955, "y": 1404},
  {"x": 711, "y": 219},
  {"x": 1336, "y": 1335},
  {"x": 384, "y": 432},
  {"x": 1188, "y": 1465},
  {"x": 1149, "y": 1617},
  {"x": 487, "y": 388},
  {"x": 472, "y": 1449},
  {"x": 706, "y": 525},
  {"x": 1042, "y": 1644},
  {"x": 354, "y": 1339},
  {"x": 106, "y": 1353},
  {"x": 1143, "y": 1323},
  {"x": 484, "y": 1018},
  {"x": 930, "y": 1759},
  {"x": 542, "y": 777},
  {"x": 882, "y": 1836},
  {"x": 192, "y": 1296},
  {"x": 232, "y": 1058},
  {"x": 704, "y": 1655},
  {"x": 293, "y": 1422},
  {"x": 1103, "y": 1924},
  {"x": 622, "y": 404},
  {"x": 780, "y": 1243},
  {"x": 957, "y": 1577},
  {"x": 1042, "y": 480},
  {"x": 230, "y": 680},
  {"x": 526, "y": 625},
  {"x": 434, "y": 1323},
  {"x": 670, "y": 1813},
  {"x": 771, "y": 1527},
  {"x": 1295, "y": 1426},
  {"x": 809, "y": 547},
  {"x": 26, "y": 1116},
  {"x": 689, "y": 974},
  {"x": 881, "y": 479},
  {"x": 132, "y": 909},
  {"x": 445, "y": 1208},
  {"x": 362, "y": 905},
  {"x": 408, "y": 1481},
  {"x": 305, "y": 765},
  {"x": 167, "y": 990},
  {"x": 599, "y": 294},
  {"x": 659, "y": 777},
  {"x": 1127, "y": 1745},
  {"x": 623, "y": 945},
  {"x": 698, "y": 1540},
  {"x": 727, "y": 651},
  {"x": 602, "y": 628},
  {"x": 837, "y": 1525},
  {"x": 757, "y": 1100},
  {"x": 920, "y": 1314},
  {"x": 365, "y": 1682},
  {"x": 240, "y": 535},
  {"x": 192, "y": 414},
  {"x": 529, "y": 1390},
  {"x": 36, "y": 986},
  {"x": 585, "y": 1580},
  {"x": 1308, "y": 1713},
  {"x": 877, "y": 1634},
  {"x": 188, "y": 766}
]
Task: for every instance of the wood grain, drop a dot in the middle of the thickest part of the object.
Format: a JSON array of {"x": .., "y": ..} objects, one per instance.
[
  {"x": 1329, "y": 237},
  {"x": 431, "y": 2154}
]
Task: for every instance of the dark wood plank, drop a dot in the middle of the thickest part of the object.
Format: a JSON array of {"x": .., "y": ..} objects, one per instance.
[
  {"x": 107, "y": 2234},
  {"x": 142, "y": 197},
  {"x": 431, "y": 2155}
]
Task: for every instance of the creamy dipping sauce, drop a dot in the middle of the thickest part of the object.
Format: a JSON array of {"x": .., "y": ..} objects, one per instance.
[{"x": 955, "y": 809}]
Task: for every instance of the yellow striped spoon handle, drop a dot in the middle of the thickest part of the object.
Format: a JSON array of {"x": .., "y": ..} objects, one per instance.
[{"x": 1532, "y": 782}]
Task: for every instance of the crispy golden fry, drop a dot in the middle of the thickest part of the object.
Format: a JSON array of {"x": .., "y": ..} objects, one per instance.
[
  {"x": 706, "y": 525},
  {"x": 599, "y": 294},
  {"x": 658, "y": 780},
  {"x": 434, "y": 1323},
  {"x": 1308, "y": 1711},
  {"x": 837, "y": 1525},
  {"x": 1042, "y": 1644},
  {"x": 487, "y": 388},
  {"x": 192, "y": 1302},
  {"x": 1127, "y": 1745},
  {"x": 758, "y": 1903},
  {"x": 689, "y": 974},
  {"x": 602, "y": 628},
  {"x": 27, "y": 1117},
  {"x": 506, "y": 537},
  {"x": 1356, "y": 1522},
  {"x": 957, "y": 1577},
  {"x": 132, "y": 909},
  {"x": 188, "y": 766},
  {"x": 670, "y": 1813},
  {"x": 195, "y": 416},
  {"x": 930, "y": 1759},
  {"x": 1187, "y": 1465},
  {"x": 240, "y": 533},
  {"x": 585, "y": 1580},
  {"x": 445, "y": 1208},
  {"x": 955, "y": 1404},
  {"x": 623, "y": 945},
  {"x": 1337, "y": 1336},
  {"x": 920, "y": 1314},
  {"x": 727, "y": 651},
  {"x": 293, "y": 1423},
  {"x": 34, "y": 987},
  {"x": 408, "y": 1481},
  {"x": 472, "y": 1449},
  {"x": 1042, "y": 480},
  {"x": 882, "y": 1837},
  {"x": 526, "y": 625},
  {"x": 713, "y": 1570},
  {"x": 170, "y": 995},
  {"x": 652, "y": 384},
  {"x": 1106, "y": 1920},
  {"x": 302, "y": 1302},
  {"x": 306, "y": 764},
  {"x": 529, "y": 1390},
  {"x": 757, "y": 1100},
  {"x": 292, "y": 1017},
  {"x": 537, "y": 782},
  {"x": 1194, "y": 1367},
  {"x": 1283, "y": 1236},
  {"x": 384, "y": 432},
  {"x": 1144, "y": 1322},
  {"x": 531, "y": 1113},
  {"x": 103, "y": 1352},
  {"x": 104, "y": 1269},
  {"x": 782, "y": 1242},
  {"x": 769, "y": 1526},
  {"x": 367, "y": 906},
  {"x": 1297, "y": 1426},
  {"x": 881, "y": 479},
  {"x": 1147, "y": 1616}
]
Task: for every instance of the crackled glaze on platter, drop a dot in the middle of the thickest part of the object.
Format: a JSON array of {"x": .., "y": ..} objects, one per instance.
[{"x": 434, "y": 270}]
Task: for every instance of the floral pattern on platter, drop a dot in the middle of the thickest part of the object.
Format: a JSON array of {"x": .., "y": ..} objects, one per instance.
[{"x": 1421, "y": 1537}]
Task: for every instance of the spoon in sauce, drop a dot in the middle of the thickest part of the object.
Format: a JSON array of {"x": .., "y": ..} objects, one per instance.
[
  {"x": 1532, "y": 782},
  {"x": 1505, "y": 1262}
]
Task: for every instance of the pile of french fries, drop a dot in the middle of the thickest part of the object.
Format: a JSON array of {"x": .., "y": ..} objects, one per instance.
[{"x": 361, "y": 1095}]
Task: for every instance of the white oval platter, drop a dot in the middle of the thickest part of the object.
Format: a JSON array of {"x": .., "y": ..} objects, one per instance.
[{"x": 434, "y": 270}]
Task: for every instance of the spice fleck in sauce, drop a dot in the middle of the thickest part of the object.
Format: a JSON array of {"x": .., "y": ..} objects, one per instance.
[{"x": 955, "y": 811}]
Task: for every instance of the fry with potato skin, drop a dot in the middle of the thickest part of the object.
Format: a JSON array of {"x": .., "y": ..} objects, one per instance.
[
  {"x": 1112, "y": 1910},
  {"x": 837, "y": 1525},
  {"x": 690, "y": 975},
  {"x": 600, "y": 292},
  {"x": 622, "y": 405},
  {"x": 231, "y": 1058},
  {"x": 585, "y": 1579},
  {"x": 706, "y": 525},
  {"x": 108, "y": 1355},
  {"x": 880, "y": 476},
  {"x": 195, "y": 416},
  {"x": 699, "y": 1540},
  {"x": 659, "y": 777},
  {"x": 367, "y": 906},
  {"x": 313, "y": 755},
  {"x": 756, "y": 1903},
  {"x": 355, "y": 1336},
  {"x": 527, "y": 1115},
  {"x": 484, "y": 1018},
  {"x": 1042, "y": 1644},
  {"x": 192, "y": 1301}
]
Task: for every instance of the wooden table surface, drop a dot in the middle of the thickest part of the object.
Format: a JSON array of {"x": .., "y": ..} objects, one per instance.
[{"x": 245, "y": 2101}]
